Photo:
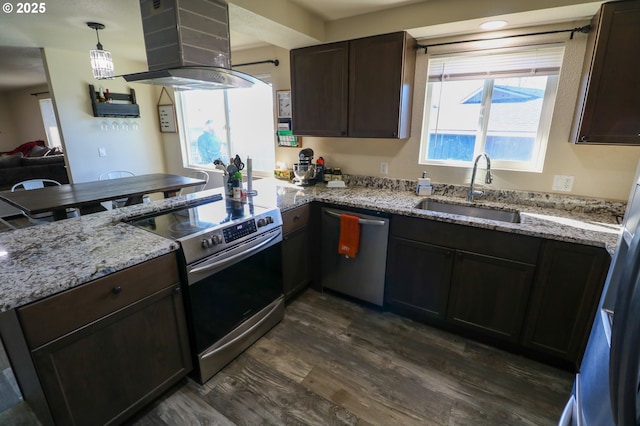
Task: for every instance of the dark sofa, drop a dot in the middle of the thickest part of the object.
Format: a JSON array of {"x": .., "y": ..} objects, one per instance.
[{"x": 16, "y": 167}]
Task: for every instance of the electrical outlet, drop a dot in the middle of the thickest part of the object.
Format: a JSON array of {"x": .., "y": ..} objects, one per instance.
[
  {"x": 102, "y": 152},
  {"x": 562, "y": 183},
  {"x": 384, "y": 168}
]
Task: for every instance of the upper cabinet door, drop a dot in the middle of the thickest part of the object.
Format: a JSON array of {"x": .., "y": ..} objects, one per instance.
[
  {"x": 609, "y": 104},
  {"x": 319, "y": 80},
  {"x": 357, "y": 88},
  {"x": 381, "y": 72}
]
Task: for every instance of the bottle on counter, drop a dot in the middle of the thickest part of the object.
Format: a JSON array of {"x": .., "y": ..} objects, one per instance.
[
  {"x": 328, "y": 174},
  {"x": 424, "y": 185},
  {"x": 320, "y": 170},
  {"x": 237, "y": 186},
  {"x": 337, "y": 173}
]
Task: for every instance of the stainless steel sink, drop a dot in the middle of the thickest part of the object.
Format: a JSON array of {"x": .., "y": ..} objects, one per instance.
[{"x": 470, "y": 210}]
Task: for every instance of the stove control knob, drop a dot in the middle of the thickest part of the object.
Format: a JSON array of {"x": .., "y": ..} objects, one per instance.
[
  {"x": 206, "y": 243},
  {"x": 269, "y": 219},
  {"x": 262, "y": 222},
  {"x": 216, "y": 239}
]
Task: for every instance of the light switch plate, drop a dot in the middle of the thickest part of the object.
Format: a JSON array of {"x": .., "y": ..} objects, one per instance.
[{"x": 562, "y": 183}]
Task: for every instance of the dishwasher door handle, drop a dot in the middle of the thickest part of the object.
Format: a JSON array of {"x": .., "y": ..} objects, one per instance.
[{"x": 360, "y": 221}]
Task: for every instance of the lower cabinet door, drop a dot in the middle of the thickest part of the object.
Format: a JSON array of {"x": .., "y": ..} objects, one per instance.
[
  {"x": 295, "y": 259},
  {"x": 104, "y": 372},
  {"x": 489, "y": 295},
  {"x": 418, "y": 277},
  {"x": 564, "y": 298}
]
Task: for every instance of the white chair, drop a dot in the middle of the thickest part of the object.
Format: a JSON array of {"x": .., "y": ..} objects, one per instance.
[
  {"x": 115, "y": 174},
  {"x": 40, "y": 218},
  {"x": 120, "y": 202},
  {"x": 196, "y": 174},
  {"x": 6, "y": 224}
]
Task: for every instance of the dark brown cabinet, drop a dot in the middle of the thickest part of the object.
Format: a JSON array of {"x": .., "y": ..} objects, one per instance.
[
  {"x": 418, "y": 279},
  {"x": 565, "y": 296},
  {"x": 489, "y": 295},
  {"x": 105, "y": 372},
  {"x": 609, "y": 102},
  {"x": 319, "y": 90},
  {"x": 105, "y": 349},
  {"x": 295, "y": 251},
  {"x": 356, "y": 88},
  {"x": 529, "y": 295},
  {"x": 467, "y": 279}
]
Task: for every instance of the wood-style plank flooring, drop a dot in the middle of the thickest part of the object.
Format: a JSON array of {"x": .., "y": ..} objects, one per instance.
[{"x": 331, "y": 361}]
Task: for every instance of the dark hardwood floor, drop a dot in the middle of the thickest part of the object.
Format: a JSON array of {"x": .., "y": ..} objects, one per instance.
[{"x": 331, "y": 361}]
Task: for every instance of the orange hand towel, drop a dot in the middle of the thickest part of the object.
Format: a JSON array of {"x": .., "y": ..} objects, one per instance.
[{"x": 349, "y": 235}]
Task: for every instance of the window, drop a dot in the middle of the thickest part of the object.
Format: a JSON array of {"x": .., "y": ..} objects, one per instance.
[
  {"x": 499, "y": 102},
  {"x": 220, "y": 124}
]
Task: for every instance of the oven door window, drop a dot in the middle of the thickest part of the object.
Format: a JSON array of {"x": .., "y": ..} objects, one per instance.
[{"x": 224, "y": 300}]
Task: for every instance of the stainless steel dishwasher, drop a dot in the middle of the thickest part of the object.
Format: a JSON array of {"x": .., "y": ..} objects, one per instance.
[{"x": 361, "y": 277}]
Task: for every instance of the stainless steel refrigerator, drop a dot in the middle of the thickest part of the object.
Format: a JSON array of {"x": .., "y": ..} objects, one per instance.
[{"x": 605, "y": 391}]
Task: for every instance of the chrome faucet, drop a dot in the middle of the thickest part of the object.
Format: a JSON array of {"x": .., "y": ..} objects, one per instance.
[{"x": 487, "y": 178}]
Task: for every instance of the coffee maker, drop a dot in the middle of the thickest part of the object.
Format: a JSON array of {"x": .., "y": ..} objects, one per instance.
[{"x": 305, "y": 170}]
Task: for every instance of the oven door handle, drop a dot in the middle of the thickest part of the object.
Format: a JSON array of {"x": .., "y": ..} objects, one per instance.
[
  {"x": 241, "y": 336},
  {"x": 226, "y": 260}
]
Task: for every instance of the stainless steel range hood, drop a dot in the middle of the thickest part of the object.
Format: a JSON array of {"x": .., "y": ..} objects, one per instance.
[{"x": 187, "y": 46}]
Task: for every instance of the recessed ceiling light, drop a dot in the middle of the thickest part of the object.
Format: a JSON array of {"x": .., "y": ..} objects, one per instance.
[{"x": 493, "y": 25}]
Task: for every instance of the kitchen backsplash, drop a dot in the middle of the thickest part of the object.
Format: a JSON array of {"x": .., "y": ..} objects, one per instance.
[{"x": 528, "y": 198}]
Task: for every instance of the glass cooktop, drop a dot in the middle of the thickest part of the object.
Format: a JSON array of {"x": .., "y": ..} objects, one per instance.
[{"x": 177, "y": 224}]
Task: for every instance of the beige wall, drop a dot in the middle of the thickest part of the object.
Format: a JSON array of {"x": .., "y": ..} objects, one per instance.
[
  {"x": 139, "y": 151},
  {"x": 20, "y": 118},
  {"x": 599, "y": 171},
  {"x": 8, "y": 136}
]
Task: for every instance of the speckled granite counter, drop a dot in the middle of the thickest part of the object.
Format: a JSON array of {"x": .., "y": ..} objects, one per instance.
[
  {"x": 572, "y": 219},
  {"x": 43, "y": 260}
]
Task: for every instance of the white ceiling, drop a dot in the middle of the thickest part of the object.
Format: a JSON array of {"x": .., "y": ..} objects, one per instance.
[
  {"x": 331, "y": 10},
  {"x": 63, "y": 26}
]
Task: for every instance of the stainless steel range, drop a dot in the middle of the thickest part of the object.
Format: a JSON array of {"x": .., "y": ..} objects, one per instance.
[{"x": 232, "y": 263}]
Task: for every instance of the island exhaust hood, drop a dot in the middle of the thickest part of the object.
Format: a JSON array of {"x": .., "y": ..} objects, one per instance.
[{"x": 187, "y": 46}]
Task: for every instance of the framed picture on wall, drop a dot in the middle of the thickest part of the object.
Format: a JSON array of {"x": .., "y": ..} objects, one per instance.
[{"x": 283, "y": 103}]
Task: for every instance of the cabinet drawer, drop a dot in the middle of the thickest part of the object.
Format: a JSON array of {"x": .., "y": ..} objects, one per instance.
[
  {"x": 50, "y": 318},
  {"x": 295, "y": 219}
]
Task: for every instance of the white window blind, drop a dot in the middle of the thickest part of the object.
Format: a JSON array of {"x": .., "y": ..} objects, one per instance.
[{"x": 544, "y": 60}]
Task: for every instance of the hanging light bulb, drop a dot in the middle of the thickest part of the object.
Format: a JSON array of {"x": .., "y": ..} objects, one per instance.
[{"x": 101, "y": 62}]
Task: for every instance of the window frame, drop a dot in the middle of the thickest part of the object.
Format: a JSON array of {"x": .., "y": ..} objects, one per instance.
[
  {"x": 536, "y": 164},
  {"x": 226, "y": 134}
]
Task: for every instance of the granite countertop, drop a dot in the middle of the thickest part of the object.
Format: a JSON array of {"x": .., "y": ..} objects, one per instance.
[
  {"x": 572, "y": 219},
  {"x": 43, "y": 260}
]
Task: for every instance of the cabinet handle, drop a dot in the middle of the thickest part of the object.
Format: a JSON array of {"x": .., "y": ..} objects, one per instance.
[
  {"x": 116, "y": 290},
  {"x": 584, "y": 138},
  {"x": 296, "y": 217},
  {"x": 177, "y": 290}
]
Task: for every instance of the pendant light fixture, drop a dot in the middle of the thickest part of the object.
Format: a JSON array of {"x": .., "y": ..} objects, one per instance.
[{"x": 101, "y": 62}]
